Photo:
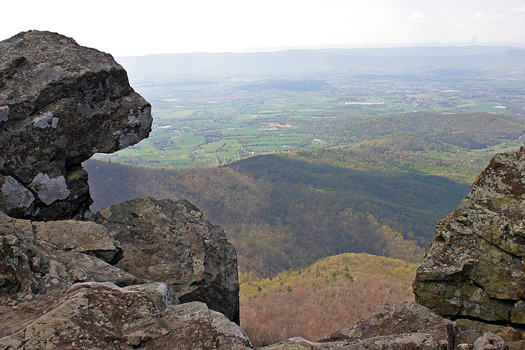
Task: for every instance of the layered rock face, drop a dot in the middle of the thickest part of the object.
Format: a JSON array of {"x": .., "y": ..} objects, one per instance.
[
  {"x": 140, "y": 241},
  {"x": 474, "y": 269},
  {"x": 60, "y": 103}
]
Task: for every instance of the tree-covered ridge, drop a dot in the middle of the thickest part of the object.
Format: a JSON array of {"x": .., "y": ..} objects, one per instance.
[
  {"x": 406, "y": 153},
  {"x": 440, "y": 132},
  {"x": 339, "y": 291},
  {"x": 283, "y": 213}
]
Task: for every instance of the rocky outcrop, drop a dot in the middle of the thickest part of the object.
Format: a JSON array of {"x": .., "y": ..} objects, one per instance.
[
  {"x": 393, "y": 326},
  {"x": 138, "y": 241},
  {"x": 105, "y": 316},
  {"x": 59, "y": 104},
  {"x": 115, "y": 284},
  {"x": 474, "y": 270},
  {"x": 163, "y": 240},
  {"x": 41, "y": 257},
  {"x": 416, "y": 324}
]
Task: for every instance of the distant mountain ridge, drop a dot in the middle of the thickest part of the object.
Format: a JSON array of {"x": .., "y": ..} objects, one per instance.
[{"x": 318, "y": 61}]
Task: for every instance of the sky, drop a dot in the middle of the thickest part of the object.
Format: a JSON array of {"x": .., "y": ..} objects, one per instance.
[{"x": 135, "y": 28}]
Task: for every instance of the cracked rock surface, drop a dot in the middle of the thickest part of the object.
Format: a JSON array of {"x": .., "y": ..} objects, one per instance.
[
  {"x": 60, "y": 103},
  {"x": 172, "y": 241},
  {"x": 474, "y": 269},
  {"x": 104, "y": 316}
]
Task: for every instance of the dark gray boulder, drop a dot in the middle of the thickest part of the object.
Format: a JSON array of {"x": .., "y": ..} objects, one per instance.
[{"x": 60, "y": 103}]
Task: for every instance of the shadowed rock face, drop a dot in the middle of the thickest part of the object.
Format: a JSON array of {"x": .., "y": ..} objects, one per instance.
[
  {"x": 475, "y": 267},
  {"x": 60, "y": 103},
  {"x": 163, "y": 240}
]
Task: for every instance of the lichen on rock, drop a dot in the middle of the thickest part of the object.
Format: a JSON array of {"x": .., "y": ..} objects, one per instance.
[
  {"x": 59, "y": 104},
  {"x": 474, "y": 269},
  {"x": 171, "y": 241}
]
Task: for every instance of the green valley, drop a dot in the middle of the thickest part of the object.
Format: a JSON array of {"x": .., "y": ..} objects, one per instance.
[
  {"x": 212, "y": 109},
  {"x": 283, "y": 213}
]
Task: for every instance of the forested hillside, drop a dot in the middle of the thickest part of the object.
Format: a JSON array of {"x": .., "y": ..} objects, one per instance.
[
  {"x": 321, "y": 298},
  {"x": 283, "y": 213}
]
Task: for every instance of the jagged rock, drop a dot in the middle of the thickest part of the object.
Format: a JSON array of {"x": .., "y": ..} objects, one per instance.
[
  {"x": 104, "y": 316},
  {"x": 490, "y": 341},
  {"x": 399, "y": 326},
  {"x": 37, "y": 257},
  {"x": 163, "y": 240},
  {"x": 474, "y": 269},
  {"x": 60, "y": 103}
]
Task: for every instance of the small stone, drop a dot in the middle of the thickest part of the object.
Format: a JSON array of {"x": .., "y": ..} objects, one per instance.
[{"x": 490, "y": 341}]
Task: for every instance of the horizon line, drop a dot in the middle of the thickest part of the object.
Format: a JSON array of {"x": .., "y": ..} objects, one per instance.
[{"x": 335, "y": 47}]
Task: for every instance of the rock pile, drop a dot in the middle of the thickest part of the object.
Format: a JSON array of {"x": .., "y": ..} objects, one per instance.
[
  {"x": 162, "y": 240},
  {"x": 115, "y": 282}
]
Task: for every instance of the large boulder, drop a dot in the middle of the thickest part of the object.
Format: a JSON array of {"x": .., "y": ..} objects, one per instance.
[
  {"x": 60, "y": 103},
  {"x": 475, "y": 269},
  {"x": 171, "y": 241},
  {"x": 105, "y": 316}
]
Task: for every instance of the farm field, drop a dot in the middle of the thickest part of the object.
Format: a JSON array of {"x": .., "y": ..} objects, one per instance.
[{"x": 215, "y": 120}]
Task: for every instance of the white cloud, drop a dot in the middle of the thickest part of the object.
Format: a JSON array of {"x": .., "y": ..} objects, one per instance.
[
  {"x": 478, "y": 16},
  {"x": 519, "y": 9},
  {"x": 418, "y": 17}
]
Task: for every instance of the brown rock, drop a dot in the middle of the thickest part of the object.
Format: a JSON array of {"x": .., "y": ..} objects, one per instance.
[
  {"x": 37, "y": 258},
  {"x": 104, "y": 316},
  {"x": 472, "y": 330},
  {"x": 400, "y": 326},
  {"x": 60, "y": 103},
  {"x": 169, "y": 241},
  {"x": 490, "y": 341}
]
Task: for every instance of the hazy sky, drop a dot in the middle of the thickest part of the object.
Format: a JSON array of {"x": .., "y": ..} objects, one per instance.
[{"x": 125, "y": 28}]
